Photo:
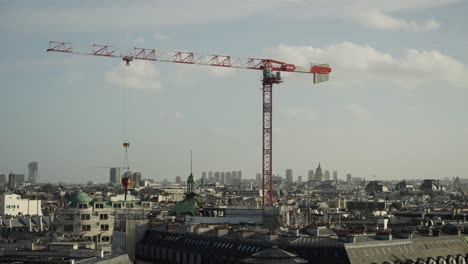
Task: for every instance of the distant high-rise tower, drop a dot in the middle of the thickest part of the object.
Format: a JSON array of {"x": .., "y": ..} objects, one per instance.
[
  {"x": 349, "y": 179},
  {"x": 33, "y": 172},
  {"x": 335, "y": 175},
  {"x": 289, "y": 176},
  {"x": 310, "y": 175},
  {"x": 258, "y": 178},
  {"x": 178, "y": 179},
  {"x": 203, "y": 176},
  {"x": 318, "y": 173},
  {"x": 2, "y": 178},
  {"x": 11, "y": 181},
  {"x": 217, "y": 176},
  {"x": 239, "y": 175},
  {"x": 299, "y": 179},
  {"x": 223, "y": 178},
  {"x": 115, "y": 176},
  {"x": 136, "y": 179},
  {"x": 327, "y": 175},
  {"x": 228, "y": 177}
]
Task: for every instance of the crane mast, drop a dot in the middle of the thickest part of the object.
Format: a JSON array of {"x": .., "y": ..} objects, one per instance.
[{"x": 271, "y": 75}]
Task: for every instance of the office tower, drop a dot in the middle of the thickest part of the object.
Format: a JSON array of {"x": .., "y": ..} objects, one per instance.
[
  {"x": 239, "y": 175},
  {"x": 349, "y": 179},
  {"x": 210, "y": 175},
  {"x": 203, "y": 175},
  {"x": 289, "y": 176},
  {"x": 115, "y": 176},
  {"x": 310, "y": 175},
  {"x": 11, "y": 181},
  {"x": 2, "y": 178},
  {"x": 327, "y": 175},
  {"x": 178, "y": 179},
  {"x": 258, "y": 178},
  {"x": 223, "y": 178},
  {"x": 217, "y": 176},
  {"x": 299, "y": 179},
  {"x": 19, "y": 179},
  {"x": 318, "y": 173},
  {"x": 136, "y": 179},
  {"x": 335, "y": 175},
  {"x": 228, "y": 177},
  {"x": 233, "y": 175},
  {"x": 33, "y": 172}
]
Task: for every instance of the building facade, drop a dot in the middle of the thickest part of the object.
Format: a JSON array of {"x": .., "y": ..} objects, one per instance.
[{"x": 13, "y": 205}]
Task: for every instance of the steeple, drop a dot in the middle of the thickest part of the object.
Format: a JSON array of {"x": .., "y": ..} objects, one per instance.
[{"x": 190, "y": 179}]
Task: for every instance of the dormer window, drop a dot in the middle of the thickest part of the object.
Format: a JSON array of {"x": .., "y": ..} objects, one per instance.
[
  {"x": 82, "y": 206},
  {"x": 99, "y": 205}
]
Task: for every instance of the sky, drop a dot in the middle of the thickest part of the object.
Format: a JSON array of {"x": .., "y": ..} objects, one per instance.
[{"x": 395, "y": 106}]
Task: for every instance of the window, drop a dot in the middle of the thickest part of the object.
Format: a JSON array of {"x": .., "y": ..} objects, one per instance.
[
  {"x": 99, "y": 205},
  {"x": 86, "y": 228},
  {"x": 104, "y": 227},
  {"x": 68, "y": 228},
  {"x": 82, "y": 206},
  {"x": 129, "y": 205},
  {"x": 103, "y": 216},
  {"x": 69, "y": 217},
  {"x": 118, "y": 205},
  {"x": 105, "y": 239},
  {"x": 85, "y": 216}
]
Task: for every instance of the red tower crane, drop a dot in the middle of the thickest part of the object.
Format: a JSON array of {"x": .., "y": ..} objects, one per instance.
[{"x": 271, "y": 75}]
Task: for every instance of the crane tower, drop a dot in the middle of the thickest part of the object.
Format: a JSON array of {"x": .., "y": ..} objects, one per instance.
[{"x": 271, "y": 75}]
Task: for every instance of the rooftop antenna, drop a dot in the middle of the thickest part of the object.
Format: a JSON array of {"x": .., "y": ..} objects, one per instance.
[{"x": 190, "y": 161}]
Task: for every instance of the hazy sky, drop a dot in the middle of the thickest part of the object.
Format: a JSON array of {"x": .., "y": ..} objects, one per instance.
[{"x": 396, "y": 105}]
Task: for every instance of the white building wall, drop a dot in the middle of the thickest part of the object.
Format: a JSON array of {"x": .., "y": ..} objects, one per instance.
[{"x": 12, "y": 204}]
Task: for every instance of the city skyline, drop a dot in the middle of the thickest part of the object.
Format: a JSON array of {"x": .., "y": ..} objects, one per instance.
[{"x": 393, "y": 106}]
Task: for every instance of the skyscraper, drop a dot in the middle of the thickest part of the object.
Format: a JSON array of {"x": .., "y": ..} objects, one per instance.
[
  {"x": 33, "y": 172},
  {"x": 335, "y": 175},
  {"x": 223, "y": 178},
  {"x": 299, "y": 179},
  {"x": 228, "y": 178},
  {"x": 349, "y": 179},
  {"x": 11, "y": 181},
  {"x": 318, "y": 173},
  {"x": 217, "y": 176},
  {"x": 115, "y": 175},
  {"x": 310, "y": 175},
  {"x": 258, "y": 178},
  {"x": 136, "y": 179},
  {"x": 239, "y": 175},
  {"x": 327, "y": 175},
  {"x": 203, "y": 175},
  {"x": 2, "y": 178},
  {"x": 289, "y": 176},
  {"x": 178, "y": 179}
]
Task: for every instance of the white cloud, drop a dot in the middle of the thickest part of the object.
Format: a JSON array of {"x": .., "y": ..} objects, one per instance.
[
  {"x": 379, "y": 20},
  {"x": 358, "y": 112},
  {"x": 301, "y": 113},
  {"x": 160, "y": 36},
  {"x": 170, "y": 115},
  {"x": 361, "y": 63},
  {"x": 95, "y": 17},
  {"x": 74, "y": 76},
  {"x": 139, "y": 75}
]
